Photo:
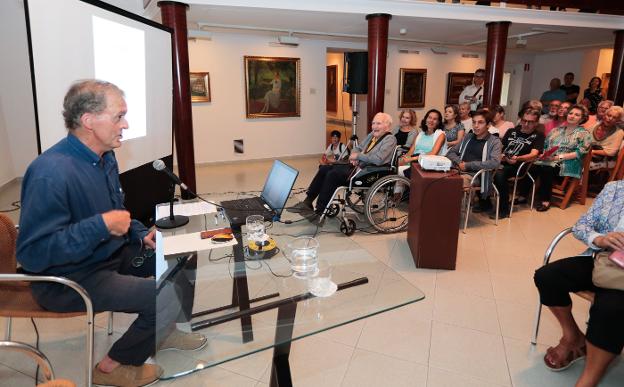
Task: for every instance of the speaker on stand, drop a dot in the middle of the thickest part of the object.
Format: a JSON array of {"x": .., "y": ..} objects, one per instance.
[{"x": 355, "y": 82}]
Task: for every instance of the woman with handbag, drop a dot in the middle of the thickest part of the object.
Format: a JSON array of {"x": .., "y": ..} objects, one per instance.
[{"x": 601, "y": 228}]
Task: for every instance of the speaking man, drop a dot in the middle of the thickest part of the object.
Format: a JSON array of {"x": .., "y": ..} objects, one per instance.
[
  {"x": 473, "y": 94},
  {"x": 73, "y": 224}
]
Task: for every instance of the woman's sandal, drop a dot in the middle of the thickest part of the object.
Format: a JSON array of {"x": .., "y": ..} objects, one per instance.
[{"x": 572, "y": 356}]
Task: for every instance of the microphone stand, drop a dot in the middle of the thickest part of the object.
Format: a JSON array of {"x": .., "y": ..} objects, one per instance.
[{"x": 172, "y": 221}]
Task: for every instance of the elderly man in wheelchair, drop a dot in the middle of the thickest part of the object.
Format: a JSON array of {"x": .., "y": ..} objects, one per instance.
[{"x": 369, "y": 163}]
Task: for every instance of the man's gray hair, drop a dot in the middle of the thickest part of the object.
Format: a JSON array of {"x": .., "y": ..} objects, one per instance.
[{"x": 85, "y": 96}]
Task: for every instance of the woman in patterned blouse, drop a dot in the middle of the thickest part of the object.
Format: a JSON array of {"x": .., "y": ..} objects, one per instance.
[
  {"x": 600, "y": 228},
  {"x": 573, "y": 143},
  {"x": 453, "y": 128}
]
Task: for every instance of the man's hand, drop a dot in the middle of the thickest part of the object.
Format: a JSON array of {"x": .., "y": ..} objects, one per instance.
[
  {"x": 149, "y": 239},
  {"x": 512, "y": 160},
  {"x": 462, "y": 166},
  {"x": 117, "y": 222},
  {"x": 612, "y": 241}
]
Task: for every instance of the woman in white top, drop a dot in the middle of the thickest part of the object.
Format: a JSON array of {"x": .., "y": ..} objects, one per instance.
[
  {"x": 431, "y": 141},
  {"x": 499, "y": 126}
]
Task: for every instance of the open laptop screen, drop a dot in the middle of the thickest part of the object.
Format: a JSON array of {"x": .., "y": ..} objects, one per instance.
[{"x": 278, "y": 185}]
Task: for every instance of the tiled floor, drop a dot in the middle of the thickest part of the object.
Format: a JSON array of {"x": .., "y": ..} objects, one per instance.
[{"x": 472, "y": 329}]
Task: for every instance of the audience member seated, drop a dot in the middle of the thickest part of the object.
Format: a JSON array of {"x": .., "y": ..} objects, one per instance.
[
  {"x": 553, "y": 107},
  {"x": 535, "y": 105},
  {"x": 562, "y": 114},
  {"x": 523, "y": 143},
  {"x": 555, "y": 93},
  {"x": 453, "y": 127},
  {"x": 464, "y": 116},
  {"x": 335, "y": 151},
  {"x": 600, "y": 228},
  {"x": 478, "y": 150},
  {"x": 607, "y": 138},
  {"x": 406, "y": 132},
  {"x": 593, "y": 94},
  {"x": 572, "y": 143},
  {"x": 376, "y": 149},
  {"x": 430, "y": 141},
  {"x": 73, "y": 224},
  {"x": 572, "y": 91},
  {"x": 602, "y": 108},
  {"x": 499, "y": 126}
]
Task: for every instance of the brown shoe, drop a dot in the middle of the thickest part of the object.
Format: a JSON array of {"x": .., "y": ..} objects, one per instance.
[
  {"x": 183, "y": 341},
  {"x": 128, "y": 376}
]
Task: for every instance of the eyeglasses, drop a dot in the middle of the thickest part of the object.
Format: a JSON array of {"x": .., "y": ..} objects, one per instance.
[{"x": 525, "y": 122}]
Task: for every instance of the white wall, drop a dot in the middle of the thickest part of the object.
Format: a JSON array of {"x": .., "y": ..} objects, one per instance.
[
  {"x": 218, "y": 123},
  {"x": 18, "y": 123},
  {"x": 438, "y": 67}
]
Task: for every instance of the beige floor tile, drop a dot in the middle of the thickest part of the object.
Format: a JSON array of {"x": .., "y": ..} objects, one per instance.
[
  {"x": 466, "y": 351},
  {"x": 315, "y": 361},
  {"x": 466, "y": 311},
  {"x": 212, "y": 377},
  {"x": 442, "y": 378},
  {"x": 465, "y": 282},
  {"x": 397, "y": 334},
  {"x": 370, "y": 369},
  {"x": 518, "y": 288}
]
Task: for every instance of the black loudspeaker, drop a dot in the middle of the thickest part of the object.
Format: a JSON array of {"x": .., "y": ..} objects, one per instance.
[{"x": 356, "y": 72}]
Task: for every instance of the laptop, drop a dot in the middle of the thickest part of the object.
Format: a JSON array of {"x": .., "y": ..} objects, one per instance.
[{"x": 272, "y": 200}]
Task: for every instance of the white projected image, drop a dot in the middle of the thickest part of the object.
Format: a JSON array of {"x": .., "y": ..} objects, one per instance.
[{"x": 119, "y": 56}]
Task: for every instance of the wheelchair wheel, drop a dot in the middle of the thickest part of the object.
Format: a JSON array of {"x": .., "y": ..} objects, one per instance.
[
  {"x": 347, "y": 227},
  {"x": 332, "y": 211},
  {"x": 355, "y": 200},
  {"x": 387, "y": 204}
]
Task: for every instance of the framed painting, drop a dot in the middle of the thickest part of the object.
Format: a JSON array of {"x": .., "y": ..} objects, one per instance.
[
  {"x": 272, "y": 87},
  {"x": 200, "y": 87},
  {"x": 455, "y": 85},
  {"x": 412, "y": 87},
  {"x": 331, "y": 100}
]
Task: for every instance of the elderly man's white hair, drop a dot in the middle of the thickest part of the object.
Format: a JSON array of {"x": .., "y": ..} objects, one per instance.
[{"x": 387, "y": 118}]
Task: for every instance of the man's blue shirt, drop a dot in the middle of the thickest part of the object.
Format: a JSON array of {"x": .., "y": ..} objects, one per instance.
[{"x": 65, "y": 191}]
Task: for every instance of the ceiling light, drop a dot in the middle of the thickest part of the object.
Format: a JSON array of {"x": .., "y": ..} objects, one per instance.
[
  {"x": 288, "y": 40},
  {"x": 439, "y": 50}
]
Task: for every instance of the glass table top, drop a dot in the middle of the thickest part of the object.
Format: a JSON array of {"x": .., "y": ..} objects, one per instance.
[{"x": 366, "y": 287}]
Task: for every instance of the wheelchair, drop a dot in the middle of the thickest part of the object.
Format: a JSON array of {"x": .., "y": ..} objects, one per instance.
[{"x": 376, "y": 192}]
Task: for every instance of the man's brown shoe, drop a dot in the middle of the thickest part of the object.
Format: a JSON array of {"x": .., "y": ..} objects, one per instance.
[
  {"x": 183, "y": 341},
  {"x": 128, "y": 376}
]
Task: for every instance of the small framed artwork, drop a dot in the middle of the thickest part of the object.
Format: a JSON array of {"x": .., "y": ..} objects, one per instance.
[
  {"x": 412, "y": 87},
  {"x": 200, "y": 87},
  {"x": 331, "y": 100},
  {"x": 272, "y": 87},
  {"x": 455, "y": 85}
]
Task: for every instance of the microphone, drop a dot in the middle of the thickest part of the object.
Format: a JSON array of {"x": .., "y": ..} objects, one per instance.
[{"x": 159, "y": 165}]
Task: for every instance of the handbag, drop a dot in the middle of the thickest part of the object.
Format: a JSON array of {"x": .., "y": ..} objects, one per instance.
[{"x": 606, "y": 274}]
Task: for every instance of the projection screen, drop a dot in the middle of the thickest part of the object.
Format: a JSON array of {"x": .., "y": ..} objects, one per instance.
[{"x": 78, "y": 39}]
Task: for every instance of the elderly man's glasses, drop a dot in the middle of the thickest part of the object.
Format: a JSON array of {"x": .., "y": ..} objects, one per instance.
[{"x": 526, "y": 122}]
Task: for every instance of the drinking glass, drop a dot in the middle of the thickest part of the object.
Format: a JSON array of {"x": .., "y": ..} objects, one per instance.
[
  {"x": 303, "y": 256},
  {"x": 255, "y": 228}
]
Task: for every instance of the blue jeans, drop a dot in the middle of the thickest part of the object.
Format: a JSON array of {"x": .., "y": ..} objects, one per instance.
[{"x": 116, "y": 285}]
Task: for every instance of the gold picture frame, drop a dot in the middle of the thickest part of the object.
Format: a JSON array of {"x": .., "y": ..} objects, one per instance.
[
  {"x": 200, "y": 87},
  {"x": 272, "y": 87},
  {"x": 455, "y": 84},
  {"x": 412, "y": 88}
]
